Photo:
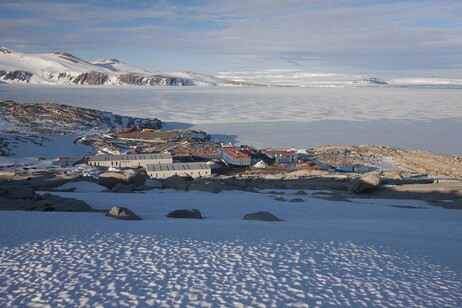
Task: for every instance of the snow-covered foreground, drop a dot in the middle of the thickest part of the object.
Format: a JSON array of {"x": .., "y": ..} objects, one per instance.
[
  {"x": 281, "y": 117},
  {"x": 323, "y": 253}
]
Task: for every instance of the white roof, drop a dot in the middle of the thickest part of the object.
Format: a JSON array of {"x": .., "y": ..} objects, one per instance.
[
  {"x": 176, "y": 167},
  {"x": 130, "y": 157}
]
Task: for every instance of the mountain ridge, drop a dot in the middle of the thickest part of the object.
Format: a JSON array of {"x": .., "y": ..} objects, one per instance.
[{"x": 64, "y": 68}]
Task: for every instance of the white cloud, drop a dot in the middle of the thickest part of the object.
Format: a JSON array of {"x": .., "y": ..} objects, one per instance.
[{"x": 361, "y": 34}]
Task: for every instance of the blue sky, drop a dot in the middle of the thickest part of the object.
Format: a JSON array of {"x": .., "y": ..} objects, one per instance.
[{"x": 384, "y": 38}]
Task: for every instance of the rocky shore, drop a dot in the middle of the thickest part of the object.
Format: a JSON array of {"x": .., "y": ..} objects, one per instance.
[{"x": 19, "y": 192}]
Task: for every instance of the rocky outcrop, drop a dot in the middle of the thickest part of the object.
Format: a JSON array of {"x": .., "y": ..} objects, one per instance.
[
  {"x": 262, "y": 216},
  {"x": 91, "y": 78},
  {"x": 4, "y": 50},
  {"x": 186, "y": 213},
  {"x": 364, "y": 183},
  {"x": 152, "y": 183},
  {"x": 207, "y": 186},
  {"x": 25, "y": 199},
  {"x": 374, "y": 81},
  {"x": 122, "y": 213},
  {"x": 113, "y": 179},
  {"x": 154, "y": 80},
  {"x": 64, "y": 119},
  {"x": 123, "y": 188},
  {"x": 59, "y": 204},
  {"x": 178, "y": 182},
  {"x": 20, "y": 76},
  {"x": 67, "y": 56}
]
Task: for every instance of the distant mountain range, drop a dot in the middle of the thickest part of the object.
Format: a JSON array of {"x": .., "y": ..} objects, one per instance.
[
  {"x": 62, "y": 68},
  {"x": 280, "y": 71}
]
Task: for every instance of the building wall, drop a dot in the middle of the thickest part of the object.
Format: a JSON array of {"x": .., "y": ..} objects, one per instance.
[
  {"x": 129, "y": 163},
  {"x": 237, "y": 161},
  {"x": 286, "y": 159},
  {"x": 163, "y": 174}
]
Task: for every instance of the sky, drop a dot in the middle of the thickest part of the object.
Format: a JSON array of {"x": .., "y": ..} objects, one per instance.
[{"x": 384, "y": 38}]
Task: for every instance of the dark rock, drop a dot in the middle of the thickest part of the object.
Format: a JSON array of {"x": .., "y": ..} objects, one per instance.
[
  {"x": 296, "y": 200},
  {"x": 60, "y": 204},
  {"x": 301, "y": 193},
  {"x": 186, "y": 213},
  {"x": 152, "y": 183},
  {"x": 122, "y": 213},
  {"x": 16, "y": 75},
  {"x": 279, "y": 198},
  {"x": 19, "y": 193},
  {"x": 177, "y": 182},
  {"x": 276, "y": 193},
  {"x": 123, "y": 188},
  {"x": 91, "y": 78},
  {"x": 210, "y": 186},
  {"x": 16, "y": 204},
  {"x": 262, "y": 216},
  {"x": 143, "y": 188},
  {"x": 111, "y": 179},
  {"x": 364, "y": 183},
  {"x": 137, "y": 178},
  {"x": 153, "y": 80}
]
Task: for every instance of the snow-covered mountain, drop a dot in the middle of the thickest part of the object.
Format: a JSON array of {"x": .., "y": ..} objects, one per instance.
[{"x": 64, "y": 68}]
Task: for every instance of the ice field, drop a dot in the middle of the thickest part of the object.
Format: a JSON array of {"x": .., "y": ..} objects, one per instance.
[{"x": 413, "y": 118}]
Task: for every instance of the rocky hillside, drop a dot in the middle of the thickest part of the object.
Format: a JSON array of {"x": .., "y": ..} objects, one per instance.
[
  {"x": 417, "y": 161},
  {"x": 62, "y": 119}
]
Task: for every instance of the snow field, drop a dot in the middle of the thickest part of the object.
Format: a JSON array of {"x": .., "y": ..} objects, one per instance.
[
  {"x": 324, "y": 253},
  {"x": 145, "y": 270}
]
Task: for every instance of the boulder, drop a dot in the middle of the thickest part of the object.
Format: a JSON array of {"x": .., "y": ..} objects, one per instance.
[
  {"x": 137, "y": 178},
  {"x": 152, "y": 183},
  {"x": 122, "y": 213},
  {"x": 177, "y": 182},
  {"x": 262, "y": 216},
  {"x": 364, "y": 183},
  {"x": 142, "y": 188},
  {"x": 21, "y": 193},
  {"x": 186, "y": 213},
  {"x": 296, "y": 200},
  {"x": 111, "y": 179},
  {"x": 301, "y": 193},
  {"x": 210, "y": 186},
  {"x": 51, "y": 202}
]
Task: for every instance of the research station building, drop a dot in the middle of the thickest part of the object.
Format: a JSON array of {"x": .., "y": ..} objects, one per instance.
[
  {"x": 129, "y": 160},
  {"x": 234, "y": 157},
  {"x": 163, "y": 171}
]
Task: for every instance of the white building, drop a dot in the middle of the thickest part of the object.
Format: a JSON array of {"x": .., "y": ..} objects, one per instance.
[
  {"x": 286, "y": 157},
  {"x": 163, "y": 171},
  {"x": 234, "y": 157},
  {"x": 129, "y": 160}
]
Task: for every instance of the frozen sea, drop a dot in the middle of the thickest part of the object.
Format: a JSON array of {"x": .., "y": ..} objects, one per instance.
[{"x": 411, "y": 118}]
